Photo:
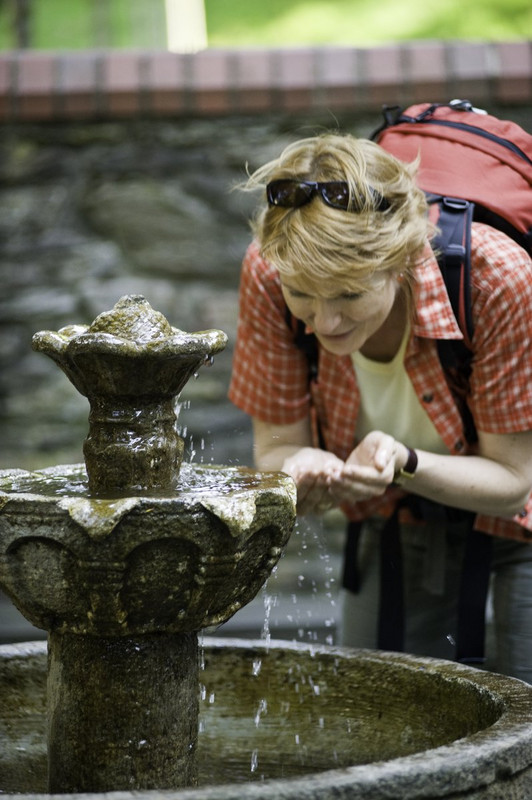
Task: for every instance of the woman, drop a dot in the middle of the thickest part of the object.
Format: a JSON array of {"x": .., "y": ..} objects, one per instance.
[{"x": 343, "y": 243}]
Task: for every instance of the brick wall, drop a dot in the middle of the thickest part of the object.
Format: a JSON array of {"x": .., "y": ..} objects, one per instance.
[{"x": 47, "y": 86}]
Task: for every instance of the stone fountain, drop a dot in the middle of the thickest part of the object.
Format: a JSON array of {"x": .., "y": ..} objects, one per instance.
[
  {"x": 124, "y": 559},
  {"x": 122, "y": 562}
]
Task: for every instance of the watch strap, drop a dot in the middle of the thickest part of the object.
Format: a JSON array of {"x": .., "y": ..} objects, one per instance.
[{"x": 409, "y": 469}]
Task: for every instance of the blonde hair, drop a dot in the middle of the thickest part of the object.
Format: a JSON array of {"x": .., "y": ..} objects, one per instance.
[{"x": 317, "y": 243}]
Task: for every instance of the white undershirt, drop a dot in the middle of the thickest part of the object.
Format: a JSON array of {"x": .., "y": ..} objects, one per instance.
[{"x": 390, "y": 404}]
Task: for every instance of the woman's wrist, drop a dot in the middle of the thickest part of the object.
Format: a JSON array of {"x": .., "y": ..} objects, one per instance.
[{"x": 406, "y": 465}]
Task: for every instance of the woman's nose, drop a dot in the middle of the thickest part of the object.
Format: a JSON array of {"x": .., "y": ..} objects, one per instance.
[{"x": 326, "y": 317}]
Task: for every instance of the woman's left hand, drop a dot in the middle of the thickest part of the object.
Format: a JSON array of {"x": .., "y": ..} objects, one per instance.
[{"x": 369, "y": 470}]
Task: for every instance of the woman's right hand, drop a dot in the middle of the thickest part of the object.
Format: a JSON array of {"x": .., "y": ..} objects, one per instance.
[{"x": 311, "y": 469}]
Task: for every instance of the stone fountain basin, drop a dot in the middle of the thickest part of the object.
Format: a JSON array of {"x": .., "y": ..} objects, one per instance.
[{"x": 286, "y": 720}]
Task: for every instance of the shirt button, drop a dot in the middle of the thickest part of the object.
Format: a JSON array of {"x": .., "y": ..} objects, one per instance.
[
  {"x": 428, "y": 397},
  {"x": 459, "y": 445}
]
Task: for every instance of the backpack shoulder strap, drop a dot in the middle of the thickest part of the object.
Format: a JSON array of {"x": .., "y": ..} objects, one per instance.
[
  {"x": 453, "y": 250},
  {"x": 452, "y": 246}
]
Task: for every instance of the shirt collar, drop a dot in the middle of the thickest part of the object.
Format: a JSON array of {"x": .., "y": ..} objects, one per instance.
[{"x": 434, "y": 318}]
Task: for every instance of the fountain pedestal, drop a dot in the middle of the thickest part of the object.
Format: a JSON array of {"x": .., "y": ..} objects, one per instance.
[{"x": 122, "y": 713}]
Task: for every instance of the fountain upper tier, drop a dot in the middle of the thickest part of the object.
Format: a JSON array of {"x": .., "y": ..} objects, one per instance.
[{"x": 131, "y": 364}]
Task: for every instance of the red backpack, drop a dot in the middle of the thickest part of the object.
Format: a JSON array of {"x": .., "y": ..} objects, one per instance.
[{"x": 475, "y": 167}]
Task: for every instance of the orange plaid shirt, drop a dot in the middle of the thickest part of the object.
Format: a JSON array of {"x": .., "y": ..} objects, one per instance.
[{"x": 270, "y": 379}]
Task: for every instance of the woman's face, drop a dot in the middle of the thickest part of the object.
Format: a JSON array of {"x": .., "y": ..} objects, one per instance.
[{"x": 342, "y": 322}]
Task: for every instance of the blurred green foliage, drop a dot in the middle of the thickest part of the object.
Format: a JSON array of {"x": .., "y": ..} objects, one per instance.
[
  {"x": 75, "y": 24},
  {"x": 363, "y": 22}
]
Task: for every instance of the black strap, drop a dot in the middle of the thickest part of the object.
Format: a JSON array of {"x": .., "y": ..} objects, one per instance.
[
  {"x": 351, "y": 575},
  {"x": 391, "y": 621},
  {"x": 452, "y": 246},
  {"x": 474, "y": 581},
  {"x": 474, "y": 587}
]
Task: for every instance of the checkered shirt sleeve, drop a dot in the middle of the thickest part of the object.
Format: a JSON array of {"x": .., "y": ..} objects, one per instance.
[{"x": 501, "y": 381}]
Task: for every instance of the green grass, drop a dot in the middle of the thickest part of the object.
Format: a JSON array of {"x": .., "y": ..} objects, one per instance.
[{"x": 71, "y": 24}]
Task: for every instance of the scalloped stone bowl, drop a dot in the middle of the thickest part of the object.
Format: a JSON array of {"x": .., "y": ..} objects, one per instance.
[{"x": 294, "y": 722}]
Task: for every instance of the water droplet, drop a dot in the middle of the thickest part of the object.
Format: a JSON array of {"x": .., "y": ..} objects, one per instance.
[{"x": 262, "y": 709}]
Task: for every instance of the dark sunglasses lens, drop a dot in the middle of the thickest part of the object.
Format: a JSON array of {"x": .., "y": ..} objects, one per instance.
[
  {"x": 336, "y": 194},
  {"x": 288, "y": 194}
]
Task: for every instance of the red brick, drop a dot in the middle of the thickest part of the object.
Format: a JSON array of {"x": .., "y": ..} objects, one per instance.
[
  {"x": 429, "y": 92},
  {"x": 338, "y": 77},
  {"x": 165, "y": 71},
  {"x": 210, "y": 82},
  {"x": 166, "y": 103},
  {"x": 514, "y": 81},
  {"x": 210, "y": 70},
  {"x": 337, "y": 66},
  {"x": 35, "y": 107},
  {"x": 211, "y": 102},
  {"x": 35, "y": 86},
  {"x": 6, "y": 72},
  {"x": 121, "y": 83},
  {"x": 426, "y": 68},
  {"x": 36, "y": 73},
  {"x": 295, "y": 69},
  {"x": 165, "y": 76},
  {"x": 426, "y": 62},
  {"x": 384, "y": 66},
  {"x": 7, "y": 68},
  {"x": 121, "y": 71},
  {"x": 78, "y": 85},
  {"x": 254, "y": 68},
  {"x": 253, "y": 80},
  {"x": 384, "y": 77},
  {"x": 515, "y": 59},
  {"x": 6, "y": 108},
  {"x": 295, "y": 79},
  {"x": 470, "y": 60},
  {"x": 338, "y": 98},
  {"x": 253, "y": 100},
  {"x": 298, "y": 99}
]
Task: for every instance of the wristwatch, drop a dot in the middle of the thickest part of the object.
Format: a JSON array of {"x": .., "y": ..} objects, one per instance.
[{"x": 409, "y": 469}]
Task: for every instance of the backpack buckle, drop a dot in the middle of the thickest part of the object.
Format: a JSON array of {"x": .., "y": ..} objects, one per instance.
[{"x": 455, "y": 203}]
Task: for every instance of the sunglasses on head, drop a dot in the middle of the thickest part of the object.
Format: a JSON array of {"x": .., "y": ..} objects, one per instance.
[{"x": 292, "y": 193}]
